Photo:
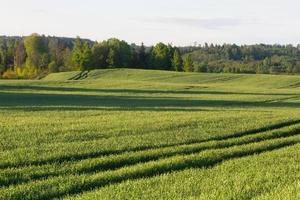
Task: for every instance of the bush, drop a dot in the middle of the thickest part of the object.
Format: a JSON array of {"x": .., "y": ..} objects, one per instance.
[
  {"x": 26, "y": 72},
  {"x": 10, "y": 74},
  {"x": 52, "y": 67}
]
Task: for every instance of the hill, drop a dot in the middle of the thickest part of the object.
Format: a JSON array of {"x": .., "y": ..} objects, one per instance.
[{"x": 225, "y": 79}]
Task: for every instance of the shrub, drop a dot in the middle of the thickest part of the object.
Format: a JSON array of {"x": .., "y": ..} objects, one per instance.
[{"x": 10, "y": 74}]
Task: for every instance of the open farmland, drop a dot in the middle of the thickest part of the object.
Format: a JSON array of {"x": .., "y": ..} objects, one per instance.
[{"x": 138, "y": 134}]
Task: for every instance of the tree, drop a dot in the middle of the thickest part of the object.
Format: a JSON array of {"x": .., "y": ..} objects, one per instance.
[
  {"x": 3, "y": 56},
  {"x": 188, "y": 64},
  {"x": 82, "y": 55},
  {"x": 37, "y": 52},
  {"x": 67, "y": 60},
  {"x": 27, "y": 57},
  {"x": 119, "y": 53},
  {"x": 142, "y": 56},
  {"x": 170, "y": 57},
  {"x": 100, "y": 53},
  {"x": 177, "y": 61},
  {"x": 160, "y": 58},
  {"x": 52, "y": 67},
  {"x": 233, "y": 52},
  {"x": 56, "y": 50},
  {"x": 20, "y": 55},
  {"x": 7, "y": 51},
  {"x": 86, "y": 57},
  {"x": 112, "y": 59},
  {"x": 77, "y": 54},
  {"x": 135, "y": 62}
]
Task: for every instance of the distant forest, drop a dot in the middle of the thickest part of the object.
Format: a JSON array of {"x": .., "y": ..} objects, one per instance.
[{"x": 37, "y": 55}]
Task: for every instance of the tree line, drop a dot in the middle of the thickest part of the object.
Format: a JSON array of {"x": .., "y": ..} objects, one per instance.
[
  {"x": 37, "y": 55},
  {"x": 259, "y": 59}
]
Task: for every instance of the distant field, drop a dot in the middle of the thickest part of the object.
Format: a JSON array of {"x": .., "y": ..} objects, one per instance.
[{"x": 138, "y": 134}]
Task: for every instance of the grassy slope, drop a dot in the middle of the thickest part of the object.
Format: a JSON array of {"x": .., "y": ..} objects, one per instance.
[
  {"x": 63, "y": 137},
  {"x": 273, "y": 81}
]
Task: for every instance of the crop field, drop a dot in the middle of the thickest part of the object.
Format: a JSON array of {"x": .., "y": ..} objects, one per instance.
[{"x": 143, "y": 134}]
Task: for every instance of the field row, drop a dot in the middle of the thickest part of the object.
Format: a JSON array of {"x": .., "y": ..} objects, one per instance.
[
  {"x": 60, "y": 179},
  {"x": 62, "y": 152},
  {"x": 269, "y": 175},
  {"x": 23, "y": 174}
]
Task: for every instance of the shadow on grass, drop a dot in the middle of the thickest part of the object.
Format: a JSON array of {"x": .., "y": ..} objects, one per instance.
[
  {"x": 34, "y": 102},
  {"x": 146, "y": 171},
  {"x": 130, "y": 161},
  {"x": 197, "y": 163},
  {"x": 187, "y": 91}
]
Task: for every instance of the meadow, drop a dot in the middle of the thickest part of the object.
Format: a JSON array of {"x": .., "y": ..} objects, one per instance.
[{"x": 144, "y": 134}]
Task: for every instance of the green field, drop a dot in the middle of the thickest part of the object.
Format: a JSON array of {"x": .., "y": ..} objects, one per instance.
[{"x": 137, "y": 134}]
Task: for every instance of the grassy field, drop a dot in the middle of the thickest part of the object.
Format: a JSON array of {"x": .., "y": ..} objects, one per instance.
[{"x": 136, "y": 134}]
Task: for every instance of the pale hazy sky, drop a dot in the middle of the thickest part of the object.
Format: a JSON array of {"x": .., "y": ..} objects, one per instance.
[{"x": 181, "y": 22}]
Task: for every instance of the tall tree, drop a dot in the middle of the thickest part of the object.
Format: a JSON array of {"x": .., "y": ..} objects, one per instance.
[
  {"x": 67, "y": 60},
  {"x": 56, "y": 51},
  {"x": 100, "y": 53},
  {"x": 177, "y": 62},
  {"x": 86, "y": 57},
  {"x": 160, "y": 57},
  {"x": 82, "y": 55},
  {"x": 3, "y": 56},
  {"x": 112, "y": 59},
  {"x": 37, "y": 52},
  {"x": 20, "y": 55},
  {"x": 188, "y": 64},
  {"x": 77, "y": 54},
  {"x": 120, "y": 52},
  {"x": 142, "y": 57}
]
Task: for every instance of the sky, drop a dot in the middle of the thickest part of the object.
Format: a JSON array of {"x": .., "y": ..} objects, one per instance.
[{"x": 179, "y": 22}]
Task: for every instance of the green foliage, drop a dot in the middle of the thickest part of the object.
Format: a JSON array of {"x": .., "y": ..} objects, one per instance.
[
  {"x": 260, "y": 59},
  {"x": 67, "y": 60},
  {"x": 7, "y": 48},
  {"x": 100, "y": 52},
  {"x": 177, "y": 61},
  {"x": 112, "y": 58},
  {"x": 142, "y": 57},
  {"x": 20, "y": 55},
  {"x": 188, "y": 64},
  {"x": 53, "y": 67},
  {"x": 160, "y": 57},
  {"x": 37, "y": 52},
  {"x": 82, "y": 55},
  {"x": 119, "y": 54},
  {"x": 40, "y": 52}
]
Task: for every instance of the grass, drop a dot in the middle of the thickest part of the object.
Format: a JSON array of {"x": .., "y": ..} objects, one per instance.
[{"x": 131, "y": 134}]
